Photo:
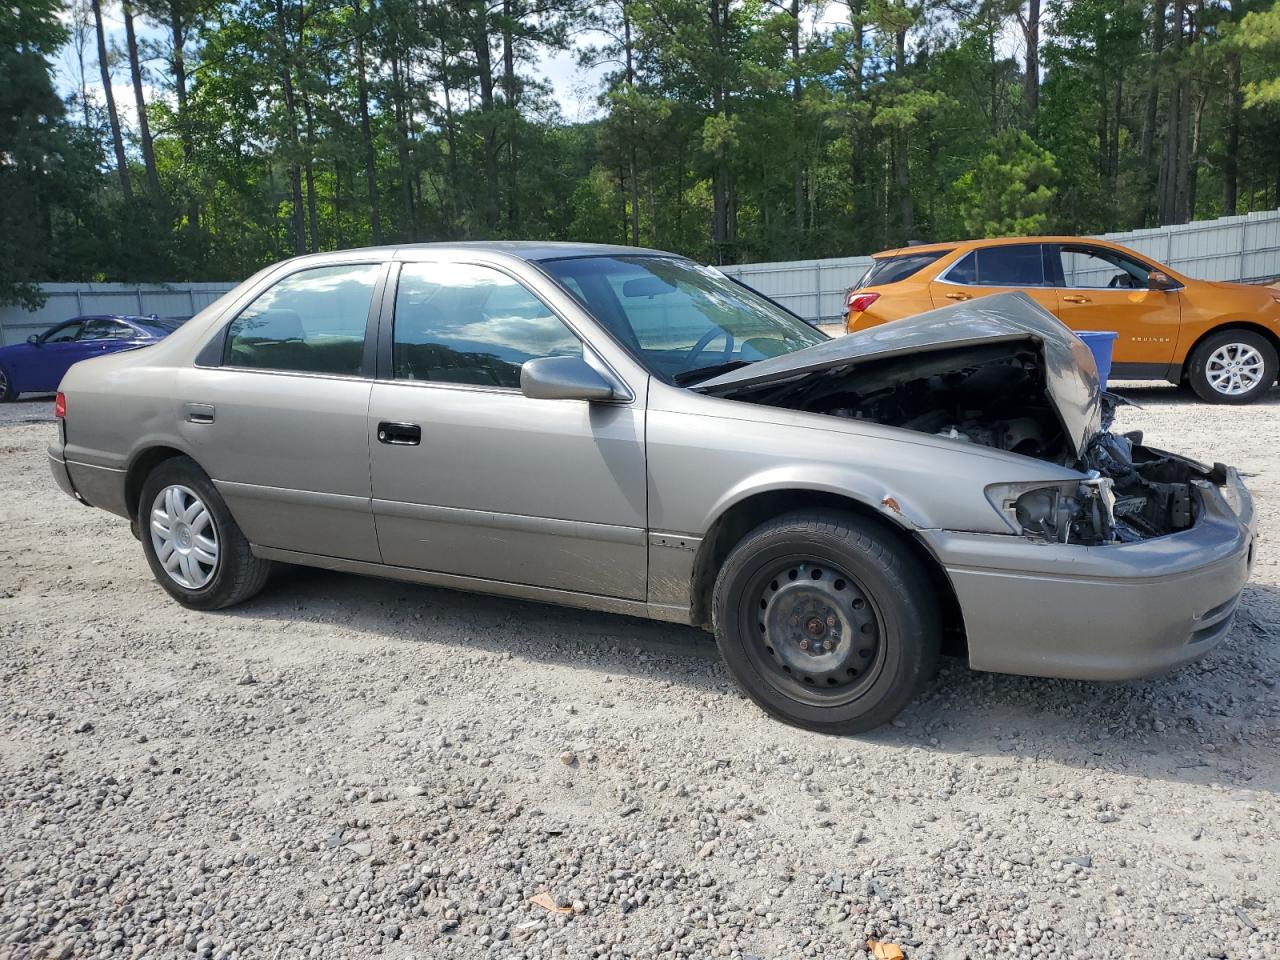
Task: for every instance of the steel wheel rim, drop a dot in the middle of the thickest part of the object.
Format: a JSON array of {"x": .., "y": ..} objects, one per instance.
[
  {"x": 1234, "y": 369},
  {"x": 184, "y": 536},
  {"x": 813, "y": 632}
]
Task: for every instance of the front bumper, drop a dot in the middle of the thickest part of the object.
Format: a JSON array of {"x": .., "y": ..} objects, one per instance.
[{"x": 1113, "y": 612}]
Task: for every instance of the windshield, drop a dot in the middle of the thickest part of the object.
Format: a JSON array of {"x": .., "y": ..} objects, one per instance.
[{"x": 683, "y": 321}]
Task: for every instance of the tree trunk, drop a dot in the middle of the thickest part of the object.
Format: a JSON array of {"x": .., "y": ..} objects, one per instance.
[
  {"x": 509, "y": 94},
  {"x": 366, "y": 132},
  {"x": 402, "y": 151},
  {"x": 313, "y": 214},
  {"x": 901, "y": 150},
  {"x": 1150, "y": 202},
  {"x": 1231, "y": 144},
  {"x": 797, "y": 95},
  {"x": 634, "y": 181},
  {"x": 117, "y": 141},
  {"x": 484, "y": 70},
  {"x": 291, "y": 134},
  {"x": 140, "y": 101},
  {"x": 451, "y": 137},
  {"x": 1031, "y": 37}
]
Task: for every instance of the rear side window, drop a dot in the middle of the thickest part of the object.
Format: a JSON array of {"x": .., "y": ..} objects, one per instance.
[
  {"x": 1017, "y": 265},
  {"x": 893, "y": 269},
  {"x": 463, "y": 323},
  {"x": 312, "y": 321}
]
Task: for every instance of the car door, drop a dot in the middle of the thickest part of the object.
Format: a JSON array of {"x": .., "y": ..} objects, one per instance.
[
  {"x": 51, "y": 357},
  {"x": 996, "y": 269},
  {"x": 1102, "y": 289},
  {"x": 276, "y": 408},
  {"x": 473, "y": 478}
]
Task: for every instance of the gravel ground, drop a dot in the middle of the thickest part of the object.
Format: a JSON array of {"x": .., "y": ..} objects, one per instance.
[{"x": 350, "y": 768}]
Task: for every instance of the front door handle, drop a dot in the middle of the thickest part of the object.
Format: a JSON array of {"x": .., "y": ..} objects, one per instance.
[
  {"x": 1075, "y": 298},
  {"x": 399, "y": 434},
  {"x": 958, "y": 296}
]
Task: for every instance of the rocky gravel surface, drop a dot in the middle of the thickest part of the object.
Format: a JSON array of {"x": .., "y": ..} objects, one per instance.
[{"x": 351, "y": 768}]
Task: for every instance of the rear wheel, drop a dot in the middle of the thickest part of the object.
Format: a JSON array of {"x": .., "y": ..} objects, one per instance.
[
  {"x": 7, "y": 392},
  {"x": 827, "y": 621},
  {"x": 1233, "y": 366},
  {"x": 196, "y": 551}
]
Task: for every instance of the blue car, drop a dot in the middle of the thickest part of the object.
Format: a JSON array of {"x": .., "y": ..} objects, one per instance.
[{"x": 38, "y": 365}]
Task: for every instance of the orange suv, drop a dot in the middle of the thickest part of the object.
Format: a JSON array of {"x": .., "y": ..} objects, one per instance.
[{"x": 1219, "y": 338}]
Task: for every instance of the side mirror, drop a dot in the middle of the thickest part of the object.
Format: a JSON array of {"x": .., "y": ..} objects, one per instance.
[
  {"x": 34, "y": 340},
  {"x": 1159, "y": 280},
  {"x": 563, "y": 378}
]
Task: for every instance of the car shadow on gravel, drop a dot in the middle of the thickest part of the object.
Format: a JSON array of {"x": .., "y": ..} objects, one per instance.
[
  {"x": 1161, "y": 394},
  {"x": 1199, "y": 724}
]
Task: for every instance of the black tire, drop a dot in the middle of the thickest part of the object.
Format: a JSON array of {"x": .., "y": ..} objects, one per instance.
[
  {"x": 1200, "y": 378},
  {"x": 7, "y": 393},
  {"x": 235, "y": 575},
  {"x": 791, "y": 609}
]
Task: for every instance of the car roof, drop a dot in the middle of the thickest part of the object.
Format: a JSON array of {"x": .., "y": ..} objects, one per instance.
[
  {"x": 986, "y": 242},
  {"x": 532, "y": 250}
]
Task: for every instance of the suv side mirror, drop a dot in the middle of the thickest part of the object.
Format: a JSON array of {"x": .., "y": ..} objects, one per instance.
[
  {"x": 1159, "y": 280},
  {"x": 563, "y": 378},
  {"x": 34, "y": 339}
]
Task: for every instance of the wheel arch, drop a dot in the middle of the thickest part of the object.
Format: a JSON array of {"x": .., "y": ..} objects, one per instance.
[
  {"x": 1239, "y": 323},
  {"x": 744, "y": 515},
  {"x": 140, "y": 467}
]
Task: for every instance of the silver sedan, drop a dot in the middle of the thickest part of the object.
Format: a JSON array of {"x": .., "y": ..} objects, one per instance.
[{"x": 625, "y": 430}]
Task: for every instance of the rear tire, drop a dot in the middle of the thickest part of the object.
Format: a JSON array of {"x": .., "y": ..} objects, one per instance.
[
  {"x": 1232, "y": 366},
  {"x": 827, "y": 621},
  {"x": 196, "y": 551}
]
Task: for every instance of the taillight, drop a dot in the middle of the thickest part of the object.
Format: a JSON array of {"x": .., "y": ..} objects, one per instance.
[
  {"x": 857, "y": 302},
  {"x": 60, "y": 405}
]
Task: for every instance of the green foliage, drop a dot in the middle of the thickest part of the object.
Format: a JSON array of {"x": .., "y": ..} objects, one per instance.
[
  {"x": 724, "y": 129},
  {"x": 1010, "y": 190}
]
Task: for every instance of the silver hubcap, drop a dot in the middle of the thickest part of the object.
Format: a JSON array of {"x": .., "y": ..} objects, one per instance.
[
  {"x": 184, "y": 537},
  {"x": 1234, "y": 368}
]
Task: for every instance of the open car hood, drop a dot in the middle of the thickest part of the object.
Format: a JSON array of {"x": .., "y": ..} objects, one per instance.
[{"x": 1070, "y": 374}]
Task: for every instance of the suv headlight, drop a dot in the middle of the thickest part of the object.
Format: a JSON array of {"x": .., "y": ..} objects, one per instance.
[{"x": 1069, "y": 511}]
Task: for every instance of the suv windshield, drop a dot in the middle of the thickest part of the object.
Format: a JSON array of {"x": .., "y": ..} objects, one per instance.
[{"x": 683, "y": 321}]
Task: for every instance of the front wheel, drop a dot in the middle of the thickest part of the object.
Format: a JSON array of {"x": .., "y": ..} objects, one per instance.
[
  {"x": 826, "y": 621},
  {"x": 7, "y": 392},
  {"x": 1234, "y": 366},
  {"x": 194, "y": 548}
]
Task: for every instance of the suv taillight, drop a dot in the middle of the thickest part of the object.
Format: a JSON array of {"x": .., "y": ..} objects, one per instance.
[
  {"x": 857, "y": 302},
  {"x": 60, "y": 405}
]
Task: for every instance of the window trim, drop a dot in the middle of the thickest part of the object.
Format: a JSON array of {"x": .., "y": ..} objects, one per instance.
[
  {"x": 213, "y": 354},
  {"x": 385, "y": 367},
  {"x": 943, "y": 277}
]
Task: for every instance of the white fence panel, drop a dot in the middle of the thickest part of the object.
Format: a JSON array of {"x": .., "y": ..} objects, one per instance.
[{"x": 67, "y": 300}]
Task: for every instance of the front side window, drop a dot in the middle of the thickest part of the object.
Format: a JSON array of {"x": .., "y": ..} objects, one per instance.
[
  {"x": 892, "y": 269},
  {"x": 65, "y": 334},
  {"x": 312, "y": 321},
  {"x": 106, "y": 330},
  {"x": 1097, "y": 267},
  {"x": 464, "y": 323},
  {"x": 684, "y": 322},
  {"x": 1016, "y": 265}
]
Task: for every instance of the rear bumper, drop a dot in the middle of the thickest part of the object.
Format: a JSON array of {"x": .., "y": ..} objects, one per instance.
[
  {"x": 58, "y": 467},
  {"x": 1103, "y": 613},
  {"x": 95, "y": 486}
]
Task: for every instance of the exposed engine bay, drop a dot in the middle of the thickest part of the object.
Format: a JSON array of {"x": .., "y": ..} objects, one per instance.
[{"x": 996, "y": 395}]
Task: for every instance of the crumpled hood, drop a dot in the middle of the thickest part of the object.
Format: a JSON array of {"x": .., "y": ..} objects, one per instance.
[{"x": 1071, "y": 376}]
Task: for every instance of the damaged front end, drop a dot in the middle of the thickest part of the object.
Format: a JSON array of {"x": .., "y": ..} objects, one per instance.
[{"x": 999, "y": 372}]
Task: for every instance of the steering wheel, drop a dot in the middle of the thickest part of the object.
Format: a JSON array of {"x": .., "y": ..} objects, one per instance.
[{"x": 696, "y": 350}]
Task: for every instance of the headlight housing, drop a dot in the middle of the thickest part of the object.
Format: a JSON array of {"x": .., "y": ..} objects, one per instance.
[{"x": 1070, "y": 511}]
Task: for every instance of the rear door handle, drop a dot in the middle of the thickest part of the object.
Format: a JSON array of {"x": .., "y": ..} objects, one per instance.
[
  {"x": 958, "y": 296},
  {"x": 399, "y": 434},
  {"x": 199, "y": 412},
  {"x": 1076, "y": 299}
]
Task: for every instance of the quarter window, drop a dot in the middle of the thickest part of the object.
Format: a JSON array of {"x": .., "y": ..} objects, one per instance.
[
  {"x": 1016, "y": 265},
  {"x": 892, "y": 269},
  {"x": 463, "y": 323},
  {"x": 312, "y": 321},
  {"x": 106, "y": 330}
]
